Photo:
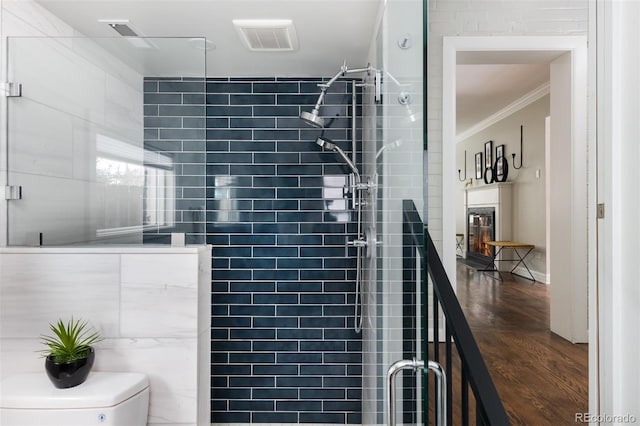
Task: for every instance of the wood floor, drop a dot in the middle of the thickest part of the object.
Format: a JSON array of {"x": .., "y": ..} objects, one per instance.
[{"x": 542, "y": 379}]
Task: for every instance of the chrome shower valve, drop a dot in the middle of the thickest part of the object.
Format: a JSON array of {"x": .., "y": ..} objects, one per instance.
[{"x": 360, "y": 242}]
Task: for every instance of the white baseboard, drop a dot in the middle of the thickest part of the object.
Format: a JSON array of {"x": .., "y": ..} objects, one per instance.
[{"x": 540, "y": 277}]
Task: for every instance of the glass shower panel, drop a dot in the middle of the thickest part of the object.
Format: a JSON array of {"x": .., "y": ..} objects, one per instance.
[
  {"x": 393, "y": 150},
  {"x": 86, "y": 153}
]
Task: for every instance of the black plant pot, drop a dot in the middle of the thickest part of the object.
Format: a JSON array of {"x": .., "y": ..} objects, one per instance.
[{"x": 69, "y": 374}]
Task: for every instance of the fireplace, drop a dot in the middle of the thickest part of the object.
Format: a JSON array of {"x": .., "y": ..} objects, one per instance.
[{"x": 480, "y": 228}]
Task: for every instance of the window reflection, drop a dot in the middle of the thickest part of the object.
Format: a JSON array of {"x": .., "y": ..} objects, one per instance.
[
  {"x": 159, "y": 199},
  {"x": 136, "y": 187}
]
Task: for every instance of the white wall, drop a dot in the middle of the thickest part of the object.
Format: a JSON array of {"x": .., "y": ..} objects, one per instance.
[
  {"x": 528, "y": 191},
  {"x": 618, "y": 127},
  {"x": 151, "y": 305},
  {"x": 75, "y": 96},
  {"x": 568, "y": 193}
]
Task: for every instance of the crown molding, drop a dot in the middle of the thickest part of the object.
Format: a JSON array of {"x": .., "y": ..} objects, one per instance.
[{"x": 512, "y": 108}]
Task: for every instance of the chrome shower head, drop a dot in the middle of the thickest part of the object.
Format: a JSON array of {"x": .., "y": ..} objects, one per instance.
[{"x": 312, "y": 118}]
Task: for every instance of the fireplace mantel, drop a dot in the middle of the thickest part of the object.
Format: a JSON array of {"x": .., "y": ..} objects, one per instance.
[
  {"x": 488, "y": 194},
  {"x": 498, "y": 196}
]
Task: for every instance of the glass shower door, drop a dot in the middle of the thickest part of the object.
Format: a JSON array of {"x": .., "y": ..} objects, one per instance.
[{"x": 83, "y": 167}]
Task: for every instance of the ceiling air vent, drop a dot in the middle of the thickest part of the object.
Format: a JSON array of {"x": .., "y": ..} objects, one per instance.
[
  {"x": 267, "y": 34},
  {"x": 121, "y": 26}
]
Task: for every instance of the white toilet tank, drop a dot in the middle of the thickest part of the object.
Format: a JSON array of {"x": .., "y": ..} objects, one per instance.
[{"x": 106, "y": 398}]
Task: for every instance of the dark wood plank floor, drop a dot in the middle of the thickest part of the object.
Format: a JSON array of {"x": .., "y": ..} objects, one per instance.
[{"x": 541, "y": 378}]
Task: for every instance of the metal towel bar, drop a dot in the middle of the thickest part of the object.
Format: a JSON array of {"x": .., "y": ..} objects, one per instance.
[{"x": 414, "y": 364}]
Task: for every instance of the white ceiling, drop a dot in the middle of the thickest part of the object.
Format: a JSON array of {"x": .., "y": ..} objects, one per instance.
[
  {"x": 489, "y": 81},
  {"x": 329, "y": 31},
  {"x": 484, "y": 89}
]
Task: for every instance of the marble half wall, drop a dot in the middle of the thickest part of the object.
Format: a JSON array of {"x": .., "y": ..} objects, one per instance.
[{"x": 144, "y": 301}]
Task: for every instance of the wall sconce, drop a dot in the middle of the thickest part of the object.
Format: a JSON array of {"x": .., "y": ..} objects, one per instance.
[
  {"x": 465, "y": 168},
  {"x": 513, "y": 155}
]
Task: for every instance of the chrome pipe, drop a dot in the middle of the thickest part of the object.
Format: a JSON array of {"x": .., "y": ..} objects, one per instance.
[
  {"x": 323, "y": 91},
  {"x": 332, "y": 80},
  {"x": 354, "y": 99},
  {"x": 357, "y": 200},
  {"x": 368, "y": 68},
  {"x": 357, "y": 310}
]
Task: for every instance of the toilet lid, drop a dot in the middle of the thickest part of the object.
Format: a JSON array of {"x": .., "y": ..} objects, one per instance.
[{"x": 101, "y": 389}]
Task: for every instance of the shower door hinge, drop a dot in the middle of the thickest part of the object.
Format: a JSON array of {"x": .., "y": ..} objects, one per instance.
[
  {"x": 13, "y": 192},
  {"x": 11, "y": 90},
  {"x": 377, "y": 81},
  {"x": 600, "y": 211}
]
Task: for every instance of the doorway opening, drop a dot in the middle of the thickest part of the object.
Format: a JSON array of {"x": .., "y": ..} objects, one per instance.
[
  {"x": 567, "y": 166},
  {"x": 566, "y": 226}
]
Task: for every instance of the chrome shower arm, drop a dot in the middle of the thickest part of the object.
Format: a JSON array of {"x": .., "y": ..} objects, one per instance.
[
  {"x": 366, "y": 69},
  {"x": 323, "y": 91},
  {"x": 333, "y": 79},
  {"x": 345, "y": 70},
  {"x": 313, "y": 118}
]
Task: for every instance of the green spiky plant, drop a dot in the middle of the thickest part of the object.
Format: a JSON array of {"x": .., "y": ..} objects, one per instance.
[{"x": 70, "y": 341}]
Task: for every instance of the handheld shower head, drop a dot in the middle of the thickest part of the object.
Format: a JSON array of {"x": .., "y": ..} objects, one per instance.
[{"x": 328, "y": 144}]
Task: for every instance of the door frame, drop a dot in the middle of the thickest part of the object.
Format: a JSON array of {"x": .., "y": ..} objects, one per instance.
[{"x": 581, "y": 251}]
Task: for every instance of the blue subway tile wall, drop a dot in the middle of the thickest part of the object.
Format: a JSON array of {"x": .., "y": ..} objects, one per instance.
[
  {"x": 283, "y": 349},
  {"x": 276, "y": 293},
  {"x": 174, "y": 159}
]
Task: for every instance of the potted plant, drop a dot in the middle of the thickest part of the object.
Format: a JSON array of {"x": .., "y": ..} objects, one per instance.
[{"x": 69, "y": 354}]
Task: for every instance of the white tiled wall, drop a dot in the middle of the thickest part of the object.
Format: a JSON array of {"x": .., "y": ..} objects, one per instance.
[{"x": 144, "y": 301}]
